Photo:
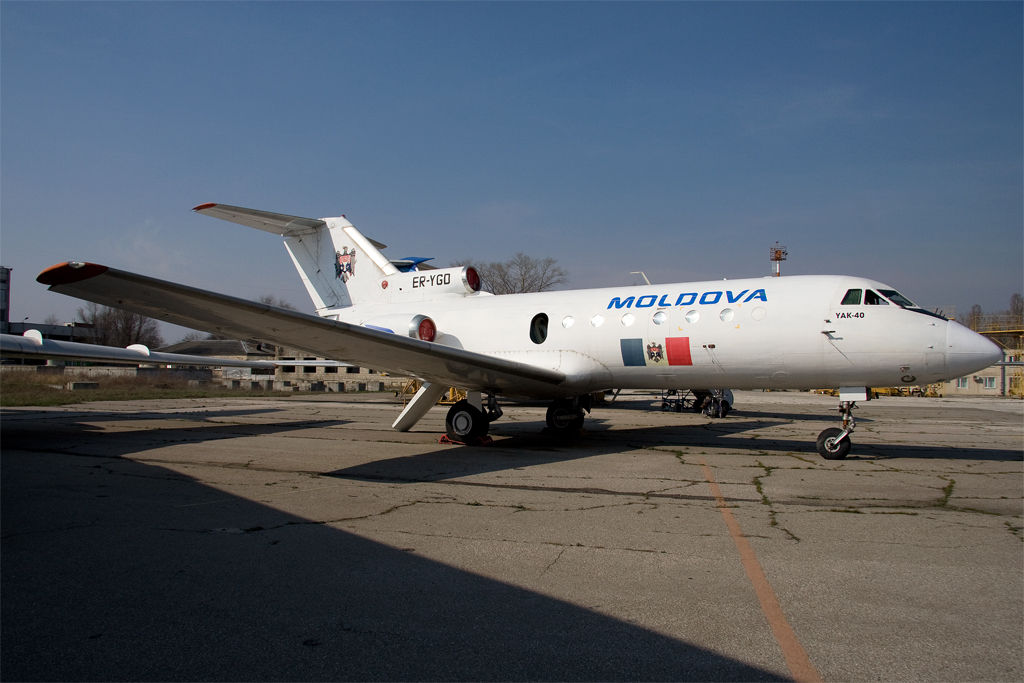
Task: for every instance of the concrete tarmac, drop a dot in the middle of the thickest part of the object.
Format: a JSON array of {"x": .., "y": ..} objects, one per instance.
[{"x": 302, "y": 539}]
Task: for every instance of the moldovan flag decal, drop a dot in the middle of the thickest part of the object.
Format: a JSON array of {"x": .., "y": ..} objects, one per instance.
[
  {"x": 632, "y": 352},
  {"x": 677, "y": 349}
]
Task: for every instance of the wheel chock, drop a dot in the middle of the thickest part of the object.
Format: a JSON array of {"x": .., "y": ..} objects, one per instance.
[{"x": 478, "y": 441}]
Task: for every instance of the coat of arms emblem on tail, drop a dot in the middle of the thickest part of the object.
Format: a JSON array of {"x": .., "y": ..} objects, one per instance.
[{"x": 344, "y": 264}]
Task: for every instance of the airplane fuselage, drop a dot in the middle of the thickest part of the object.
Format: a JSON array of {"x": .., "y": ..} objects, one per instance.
[{"x": 784, "y": 333}]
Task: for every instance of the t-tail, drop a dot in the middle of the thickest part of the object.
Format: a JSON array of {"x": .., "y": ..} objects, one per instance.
[{"x": 340, "y": 266}]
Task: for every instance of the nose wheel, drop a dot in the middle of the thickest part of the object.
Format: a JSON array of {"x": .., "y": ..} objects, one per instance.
[{"x": 834, "y": 443}]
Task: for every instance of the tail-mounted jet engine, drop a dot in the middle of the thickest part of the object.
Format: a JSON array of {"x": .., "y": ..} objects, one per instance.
[{"x": 430, "y": 284}]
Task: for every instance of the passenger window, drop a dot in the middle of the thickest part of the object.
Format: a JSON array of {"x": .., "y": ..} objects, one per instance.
[
  {"x": 852, "y": 297},
  {"x": 872, "y": 299},
  {"x": 539, "y": 328}
]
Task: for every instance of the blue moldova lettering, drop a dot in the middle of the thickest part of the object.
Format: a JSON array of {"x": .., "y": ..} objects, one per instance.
[
  {"x": 692, "y": 297},
  {"x": 705, "y": 297},
  {"x": 757, "y": 294},
  {"x": 623, "y": 303},
  {"x": 640, "y": 302},
  {"x": 663, "y": 303},
  {"x": 733, "y": 299}
]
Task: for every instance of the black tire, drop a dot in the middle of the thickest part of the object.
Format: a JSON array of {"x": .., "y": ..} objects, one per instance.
[
  {"x": 564, "y": 417},
  {"x": 465, "y": 423},
  {"x": 715, "y": 408},
  {"x": 828, "y": 448}
]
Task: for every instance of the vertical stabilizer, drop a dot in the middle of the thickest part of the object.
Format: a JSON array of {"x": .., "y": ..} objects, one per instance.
[{"x": 338, "y": 265}]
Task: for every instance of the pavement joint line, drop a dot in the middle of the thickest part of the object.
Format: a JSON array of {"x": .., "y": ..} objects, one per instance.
[{"x": 797, "y": 660}]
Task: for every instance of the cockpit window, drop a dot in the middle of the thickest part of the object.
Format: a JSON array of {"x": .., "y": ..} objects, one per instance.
[
  {"x": 852, "y": 297},
  {"x": 897, "y": 298},
  {"x": 871, "y": 298}
]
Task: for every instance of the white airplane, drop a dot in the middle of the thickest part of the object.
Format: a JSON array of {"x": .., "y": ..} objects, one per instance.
[{"x": 794, "y": 332}]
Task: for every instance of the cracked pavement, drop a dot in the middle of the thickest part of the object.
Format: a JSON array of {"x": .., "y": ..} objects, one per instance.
[{"x": 301, "y": 538}]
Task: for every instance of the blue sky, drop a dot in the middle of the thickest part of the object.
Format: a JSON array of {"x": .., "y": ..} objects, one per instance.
[{"x": 681, "y": 139}]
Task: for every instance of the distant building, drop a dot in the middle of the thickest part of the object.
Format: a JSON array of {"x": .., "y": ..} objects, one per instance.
[
  {"x": 311, "y": 373},
  {"x": 307, "y": 373},
  {"x": 76, "y": 332},
  {"x": 5, "y": 299}
]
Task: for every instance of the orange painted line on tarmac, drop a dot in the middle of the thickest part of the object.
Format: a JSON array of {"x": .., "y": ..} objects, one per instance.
[{"x": 796, "y": 657}]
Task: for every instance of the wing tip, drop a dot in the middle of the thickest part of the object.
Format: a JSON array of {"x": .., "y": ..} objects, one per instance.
[
  {"x": 204, "y": 207},
  {"x": 69, "y": 271}
]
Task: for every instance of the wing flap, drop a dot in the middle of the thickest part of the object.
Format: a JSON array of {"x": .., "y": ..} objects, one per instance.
[{"x": 227, "y": 315}]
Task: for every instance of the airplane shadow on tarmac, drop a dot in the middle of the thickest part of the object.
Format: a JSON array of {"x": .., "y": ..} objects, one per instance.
[
  {"x": 64, "y": 432},
  {"x": 118, "y": 570},
  {"x": 526, "y": 444}
]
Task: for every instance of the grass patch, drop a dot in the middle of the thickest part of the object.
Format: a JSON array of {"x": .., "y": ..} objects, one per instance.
[
  {"x": 947, "y": 492},
  {"x": 31, "y": 389}
]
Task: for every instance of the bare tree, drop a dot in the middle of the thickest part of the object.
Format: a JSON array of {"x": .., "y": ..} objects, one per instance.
[
  {"x": 974, "y": 318},
  {"x": 194, "y": 335},
  {"x": 522, "y": 273},
  {"x": 1017, "y": 306},
  {"x": 117, "y": 327},
  {"x": 271, "y": 300}
]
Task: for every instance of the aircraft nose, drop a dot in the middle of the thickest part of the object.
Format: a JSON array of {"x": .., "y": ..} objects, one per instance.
[{"x": 968, "y": 351}]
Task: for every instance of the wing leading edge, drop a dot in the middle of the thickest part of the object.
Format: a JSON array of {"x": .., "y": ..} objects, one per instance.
[{"x": 213, "y": 312}]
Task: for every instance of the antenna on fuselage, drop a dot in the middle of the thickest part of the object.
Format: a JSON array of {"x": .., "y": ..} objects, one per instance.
[
  {"x": 641, "y": 274},
  {"x": 777, "y": 255}
]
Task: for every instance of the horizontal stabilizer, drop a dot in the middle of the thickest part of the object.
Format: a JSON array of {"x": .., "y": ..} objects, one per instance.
[{"x": 277, "y": 223}]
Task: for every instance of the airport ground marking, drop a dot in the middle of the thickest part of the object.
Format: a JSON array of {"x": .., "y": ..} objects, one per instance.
[{"x": 793, "y": 652}]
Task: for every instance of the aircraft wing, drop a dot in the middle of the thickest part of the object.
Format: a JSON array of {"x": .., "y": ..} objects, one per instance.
[
  {"x": 32, "y": 345},
  {"x": 213, "y": 312}
]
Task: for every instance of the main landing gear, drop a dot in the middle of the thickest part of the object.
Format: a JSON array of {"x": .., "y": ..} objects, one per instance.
[
  {"x": 714, "y": 403},
  {"x": 834, "y": 443},
  {"x": 467, "y": 423},
  {"x": 566, "y": 415},
  {"x": 469, "y": 420}
]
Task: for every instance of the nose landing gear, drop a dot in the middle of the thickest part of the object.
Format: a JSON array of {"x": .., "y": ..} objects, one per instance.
[{"x": 834, "y": 443}]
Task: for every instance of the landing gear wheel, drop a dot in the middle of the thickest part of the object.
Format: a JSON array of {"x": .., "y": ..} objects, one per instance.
[
  {"x": 465, "y": 422},
  {"x": 565, "y": 417},
  {"x": 716, "y": 407},
  {"x": 829, "y": 448}
]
